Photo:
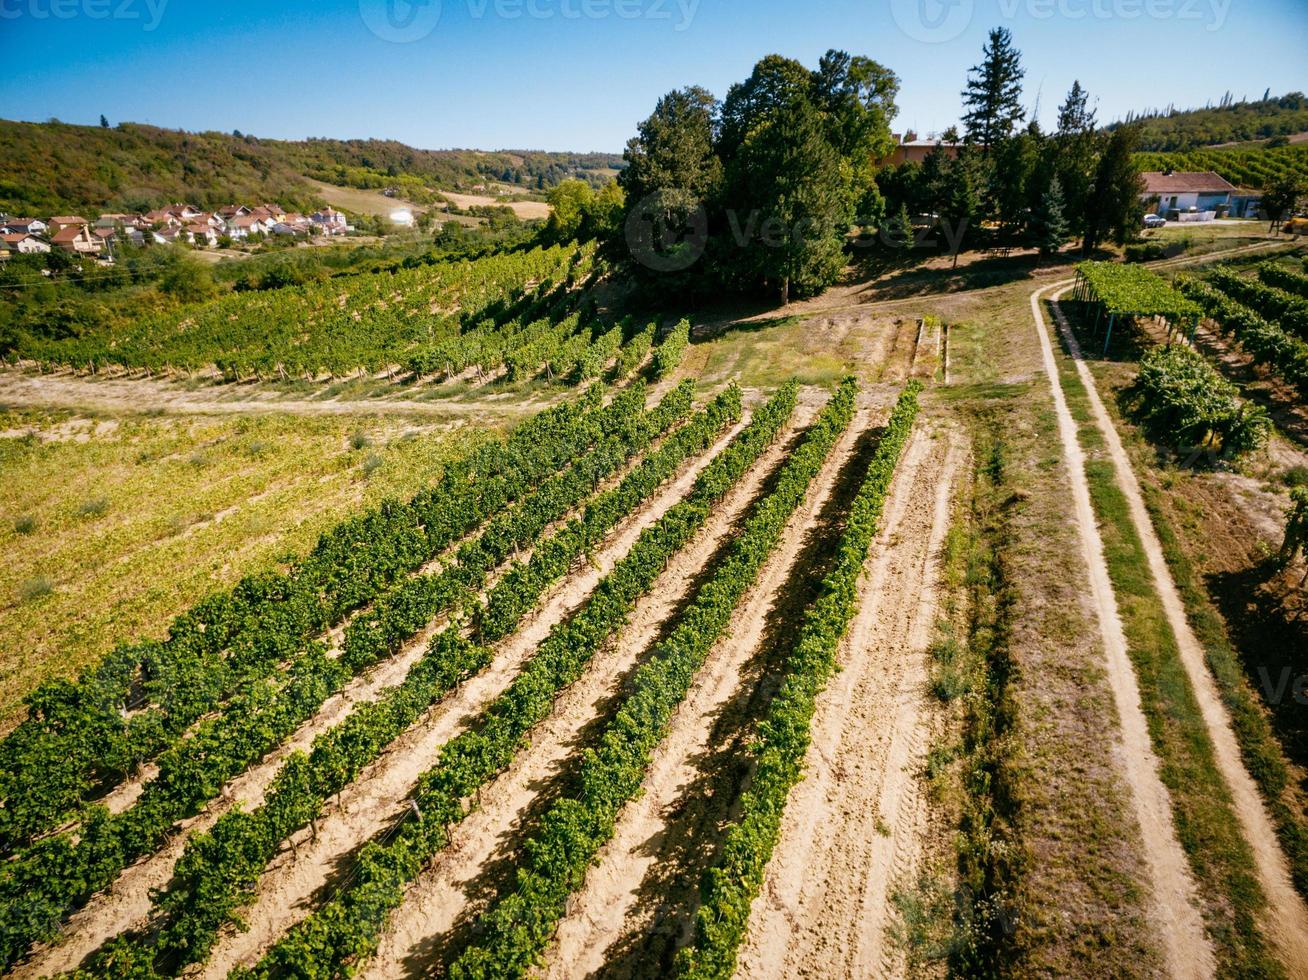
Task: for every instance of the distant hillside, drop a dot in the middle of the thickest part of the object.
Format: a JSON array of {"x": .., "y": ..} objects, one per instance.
[
  {"x": 51, "y": 168},
  {"x": 1230, "y": 122}
]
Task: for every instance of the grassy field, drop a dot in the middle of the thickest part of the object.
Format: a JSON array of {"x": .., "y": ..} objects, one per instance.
[{"x": 112, "y": 525}]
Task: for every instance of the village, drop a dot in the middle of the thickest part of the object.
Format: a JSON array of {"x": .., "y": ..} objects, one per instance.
[{"x": 176, "y": 224}]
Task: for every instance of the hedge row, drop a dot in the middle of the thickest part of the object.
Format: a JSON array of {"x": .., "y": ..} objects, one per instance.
[
  {"x": 219, "y": 869},
  {"x": 54, "y": 875},
  {"x": 634, "y": 352},
  {"x": 511, "y": 936},
  {"x": 783, "y": 737},
  {"x": 82, "y": 737},
  {"x": 347, "y": 927}
]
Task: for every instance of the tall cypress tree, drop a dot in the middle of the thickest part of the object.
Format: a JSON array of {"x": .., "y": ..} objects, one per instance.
[
  {"x": 994, "y": 91},
  {"x": 1074, "y": 153}
]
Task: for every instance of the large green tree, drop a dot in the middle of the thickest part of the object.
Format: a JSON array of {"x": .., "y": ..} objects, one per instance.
[
  {"x": 993, "y": 97},
  {"x": 1115, "y": 206},
  {"x": 1074, "y": 154}
]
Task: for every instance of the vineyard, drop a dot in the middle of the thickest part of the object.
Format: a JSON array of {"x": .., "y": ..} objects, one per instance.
[
  {"x": 514, "y": 316},
  {"x": 1252, "y": 167},
  {"x": 306, "y": 681}
]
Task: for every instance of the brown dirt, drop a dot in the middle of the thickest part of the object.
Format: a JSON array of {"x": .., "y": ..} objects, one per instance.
[
  {"x": 441, "y": 904},
  {"x": 856, "y": 823},
  {"x": 301, "y": 876},
  {"x": 636, "y": 905},
  {"x": 1288, "y": 925}
]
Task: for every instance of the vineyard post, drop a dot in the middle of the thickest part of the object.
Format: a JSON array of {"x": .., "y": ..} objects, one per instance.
[{"x": 1109, "y": 336}]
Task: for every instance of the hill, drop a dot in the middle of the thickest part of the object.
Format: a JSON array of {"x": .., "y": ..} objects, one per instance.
[
  {"x": 54, "y": 167},
  {"x": 1245, "y": 166},
  {"x": 1229, "y": 122}
]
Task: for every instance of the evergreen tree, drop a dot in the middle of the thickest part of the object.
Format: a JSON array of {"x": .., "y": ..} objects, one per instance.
[
  {"x": 961, "y": 203},
  {"x": 104, "y": 122},
  {"x": 898, "y": 232},
  {"x": 1049, "y": 228},
  {"x": 1074, "y": 152},
  {"x": 1115, "y": 207},
  {"x": 994, "y": 91}
]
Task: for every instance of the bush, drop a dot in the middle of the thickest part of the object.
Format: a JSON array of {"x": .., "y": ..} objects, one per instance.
[
  {"x": 35, "y": 588},
  {"x": 95, "y": 507},
  {"x": 25, "y": 524},
  {"x": 360, "y": 440}
]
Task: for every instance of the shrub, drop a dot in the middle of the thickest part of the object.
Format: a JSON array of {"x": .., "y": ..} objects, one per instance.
[
  {"x": 35, "y": 588},
  {"x": 25, "y": 524},
  {"x": 94, "y": 507}
]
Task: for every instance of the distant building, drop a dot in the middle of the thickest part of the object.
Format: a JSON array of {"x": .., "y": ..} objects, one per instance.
[
  {"x": 1189, "y": 195},
  {"x": 402, "y": 217},
  {"x": 910, "y": 149},
  {"x": 76, "y": 238},
  {"x": 61, "y": 221},
  {"x": 23, "y": 226},
  {"x": 329, "y": 222}
]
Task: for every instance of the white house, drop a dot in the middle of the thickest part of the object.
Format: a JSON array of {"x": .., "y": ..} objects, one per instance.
[
  {"x": 329, "y": 221},
  {"x": 1188, "y": 196},
  {"x": 202, "y": 233},
  {"x": 25, "y": 244}
]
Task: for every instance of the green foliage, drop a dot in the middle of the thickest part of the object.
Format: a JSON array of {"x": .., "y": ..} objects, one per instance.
[
  {"x": 1286, "y": 309},
  {"x": 347, "y": 927},
  {"x": 1187, "y": 404},
  {"x": 1128, "y": 290},
  {"x": 135, "y": 167},
  {"x": 1284, "y": 279},
  {"x": 992, "y": 101},
  {"x": 730, "y": 887},
  {"x": 1049, "y": 226},
  {"x": 512, "y": 934},
  {"x": 1296, "y": 525},
  {"x": 1230, "y": 122},
  {"x": 668, "y": 354},
  {"x": 1267, "y": 343},
  {"x": 1114, "y": 208}
]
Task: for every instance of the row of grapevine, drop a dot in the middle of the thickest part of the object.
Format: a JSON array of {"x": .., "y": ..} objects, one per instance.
[
  {"x": 1285, "y": 279},
  {"x": 347, "y": 927},
  {"x": 1186, "y": 404},
  {"x": 364, "y": 321},
  {"x": 634, "y": 352},
  {"x": 219, "y": 868},
  {"x": 1286, "y": 309},
  {"x": 784, "y": 735},
  {"x": 1267, "y": 343},
  {"x": 526, "y": 580},
  {"x": 82, "y": 737},
  {"x": 669, "y": 353},
  {"x": 396, "y": 616},
  {"x": 58, "y": 872},
  {"x": 515, "y": 931}
]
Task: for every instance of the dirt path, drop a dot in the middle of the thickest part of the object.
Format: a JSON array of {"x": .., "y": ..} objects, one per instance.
[
  {"x": 430, "y": 926},
  {"x": 299, "y": 878},
  {"x": 1173, "y": 908},
  {"x": 26, "y": 389},
  {"x": 854, "y": 823},
  {"x": 1288, "y": 927},
  {"x": 631, "y": 914}
]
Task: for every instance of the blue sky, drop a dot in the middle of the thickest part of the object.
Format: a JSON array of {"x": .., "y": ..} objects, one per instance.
[{"x": 578, "y": 74}]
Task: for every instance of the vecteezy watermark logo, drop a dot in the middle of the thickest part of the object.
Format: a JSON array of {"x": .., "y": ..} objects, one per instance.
[
  {"x": 149, "y": 11},
  {"x": 401, "y": 21},
  {"x": 667, "y": 234},
  {"x": 932, "y": 21}
]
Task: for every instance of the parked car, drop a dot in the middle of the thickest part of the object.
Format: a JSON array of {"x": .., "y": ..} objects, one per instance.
[{"x": 1154, "y": 221}]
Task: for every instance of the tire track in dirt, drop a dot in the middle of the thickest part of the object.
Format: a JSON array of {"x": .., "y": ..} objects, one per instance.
[
  {"x": 854, "y": 823},
  {"x": 314, "y": 866},
  {"x": 1173, "y": 905},
  {"x": 638, "y": 900},
  {"x": 427, "y": 928},
  {"x": 1288, "y": 913},
  {"x": 127, "y": 904}
]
